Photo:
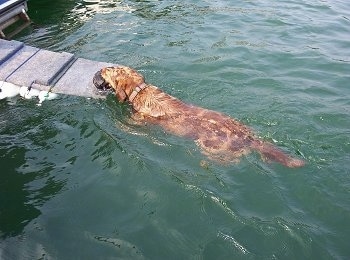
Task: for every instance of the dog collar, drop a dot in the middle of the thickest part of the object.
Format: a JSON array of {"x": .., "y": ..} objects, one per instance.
[{"x": 137, "y": 90}]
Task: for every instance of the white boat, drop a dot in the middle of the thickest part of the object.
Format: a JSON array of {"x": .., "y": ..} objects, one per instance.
[{"x": 12, "y": 11}]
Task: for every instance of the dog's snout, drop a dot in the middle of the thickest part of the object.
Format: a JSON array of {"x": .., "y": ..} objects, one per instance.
[{"x": 99, "y": 81}]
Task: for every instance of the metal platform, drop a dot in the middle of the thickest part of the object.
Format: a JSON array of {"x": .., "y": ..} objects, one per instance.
[{"x": 57, "y": 72}]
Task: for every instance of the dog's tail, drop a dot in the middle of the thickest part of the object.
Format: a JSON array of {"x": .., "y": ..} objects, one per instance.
[{"x": 270, "y": 152}]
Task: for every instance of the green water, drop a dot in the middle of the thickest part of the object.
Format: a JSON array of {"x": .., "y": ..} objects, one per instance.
[{"x": 78, "y": 182}]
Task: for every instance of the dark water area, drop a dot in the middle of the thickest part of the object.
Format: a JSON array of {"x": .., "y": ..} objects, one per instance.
[{"x": 77, "y": 181}]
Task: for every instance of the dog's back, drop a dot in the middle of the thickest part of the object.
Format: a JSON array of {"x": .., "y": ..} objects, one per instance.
[{"x": 220, "y": 137}]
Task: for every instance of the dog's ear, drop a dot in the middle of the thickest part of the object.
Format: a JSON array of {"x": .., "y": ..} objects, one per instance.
[{"x": 121, "y": 95}]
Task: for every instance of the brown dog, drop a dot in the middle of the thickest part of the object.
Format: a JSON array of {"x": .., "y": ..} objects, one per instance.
[{"x": 220, "y": 137}]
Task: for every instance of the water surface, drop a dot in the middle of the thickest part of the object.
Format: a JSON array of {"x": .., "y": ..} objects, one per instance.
[{"x": 78, "y": 182}]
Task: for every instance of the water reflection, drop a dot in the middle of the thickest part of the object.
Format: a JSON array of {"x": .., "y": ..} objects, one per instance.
[
  {"x": 23, "y": 189},
  {"x": 26, "y": 179},
  {"x": 15, "y": 207},
  {"x": 56, "y": 20}
]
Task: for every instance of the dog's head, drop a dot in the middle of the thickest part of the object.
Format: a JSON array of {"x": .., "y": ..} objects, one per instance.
[{"x": 123, "y": 80}]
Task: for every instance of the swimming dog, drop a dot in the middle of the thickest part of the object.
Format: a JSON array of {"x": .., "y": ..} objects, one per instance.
[{"x": 220, "y": 137}]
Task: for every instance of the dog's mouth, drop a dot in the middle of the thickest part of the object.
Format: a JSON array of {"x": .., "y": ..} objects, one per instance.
[{"x": 100, "y": 83}]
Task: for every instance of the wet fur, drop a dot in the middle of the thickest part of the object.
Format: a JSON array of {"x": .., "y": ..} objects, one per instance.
[{"x": 220, "y": 137}]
